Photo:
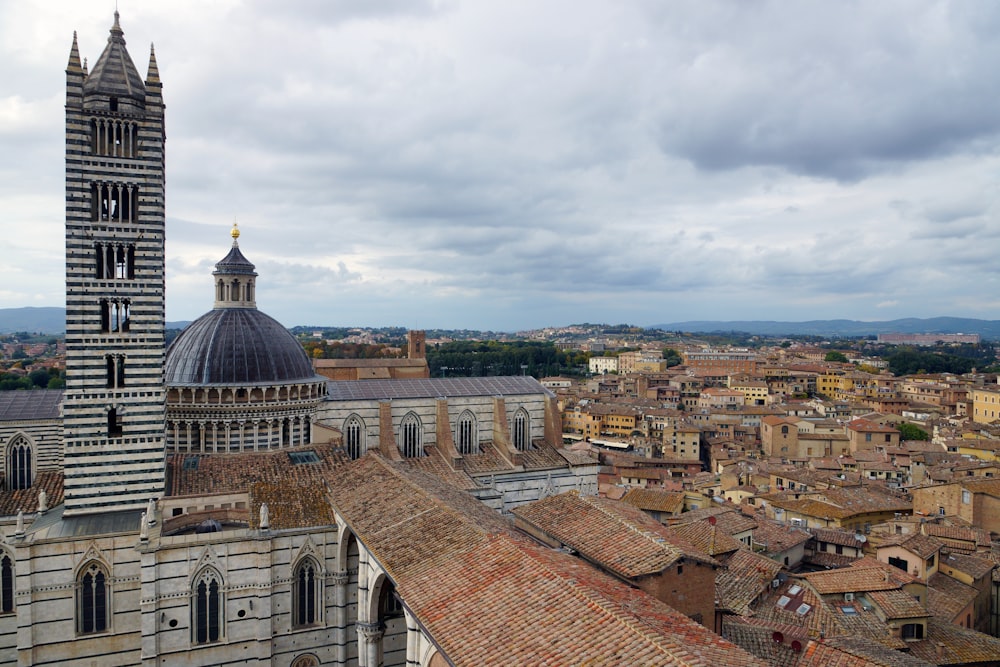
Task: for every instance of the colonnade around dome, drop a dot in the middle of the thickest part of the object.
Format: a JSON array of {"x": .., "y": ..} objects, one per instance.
[{"x": 228, "y": 419}]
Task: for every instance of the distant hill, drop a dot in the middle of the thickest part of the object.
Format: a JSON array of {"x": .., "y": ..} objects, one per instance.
[
  {"x": 35, "y": 320},
  {"x": 988, "y": 329}
]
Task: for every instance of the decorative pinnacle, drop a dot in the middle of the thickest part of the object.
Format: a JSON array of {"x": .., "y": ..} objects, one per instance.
[{"x": 235, "y": 233}]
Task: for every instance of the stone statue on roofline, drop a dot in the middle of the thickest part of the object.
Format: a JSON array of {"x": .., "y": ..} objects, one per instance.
[{"x": 265, "y": 517}]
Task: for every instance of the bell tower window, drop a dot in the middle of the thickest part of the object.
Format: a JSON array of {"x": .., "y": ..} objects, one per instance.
[
  {"x": 114, "y": 423},
  {"x": 113, "y": 202}
]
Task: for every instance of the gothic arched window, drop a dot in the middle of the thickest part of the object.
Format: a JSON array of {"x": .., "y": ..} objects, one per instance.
[
  {"x": 206, "y": 612},
  {"x": 92, "y": 599},
  {"x": 467, "y": 435},
  {"x": 521, "y": 430},
  {"x": 6, "y": 584},
  {"x": 410, "y": 436},
  {"x": 19, "y": 468},
  {"x": 306, "y": 593},
  {"x": 389, "y": 604},
  {"x": 354, "y": 437}
]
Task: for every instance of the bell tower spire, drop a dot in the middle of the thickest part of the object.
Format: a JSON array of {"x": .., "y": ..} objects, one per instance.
[{"x": 114, "y": 403}]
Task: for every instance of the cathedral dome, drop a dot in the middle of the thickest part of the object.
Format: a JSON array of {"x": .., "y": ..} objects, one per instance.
[{"x": 236, "y": 346}]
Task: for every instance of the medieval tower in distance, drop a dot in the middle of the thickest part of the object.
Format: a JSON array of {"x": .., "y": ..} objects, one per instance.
[{"x": 114, "y": 407}]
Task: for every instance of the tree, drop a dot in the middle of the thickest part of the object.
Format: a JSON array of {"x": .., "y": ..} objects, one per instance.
[
  {"x": 909, "y": 431},
  {"x": 672, "y": 357},
  {"x": 836, "y": 356}
]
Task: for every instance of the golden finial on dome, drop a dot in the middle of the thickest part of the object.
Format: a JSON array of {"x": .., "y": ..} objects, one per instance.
[{"x": 235, "y": 232}]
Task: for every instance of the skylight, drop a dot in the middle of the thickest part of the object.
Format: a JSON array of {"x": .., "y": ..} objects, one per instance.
[{"x": 303, "y": 457}]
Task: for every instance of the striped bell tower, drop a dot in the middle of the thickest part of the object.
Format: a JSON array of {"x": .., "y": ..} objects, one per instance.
[{"x": 114, "y": 403}]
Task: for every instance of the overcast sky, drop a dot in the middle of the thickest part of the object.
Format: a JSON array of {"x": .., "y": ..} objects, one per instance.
[{"x": 507, "y": 165}]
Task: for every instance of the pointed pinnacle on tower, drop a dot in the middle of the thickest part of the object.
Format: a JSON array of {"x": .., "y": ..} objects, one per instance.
[
  {"x": 116, "y": 29},
  {"x": 153, "y": 72},
  {"x": 74, "y": 57}
]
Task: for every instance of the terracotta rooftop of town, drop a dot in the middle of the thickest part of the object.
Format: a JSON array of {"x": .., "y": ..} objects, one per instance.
[{"x": 451, "y": 558}]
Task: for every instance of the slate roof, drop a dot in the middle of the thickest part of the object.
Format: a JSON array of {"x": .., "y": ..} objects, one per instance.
[
  {"x": 114, "y": 74},
  {"x": 237, "y": 346},
  {"x": 370, "y": 390},
  {"x": 619, "y": 537},
  {"x": 34, "y": 405},
  {"x": 489, "y": 596}
]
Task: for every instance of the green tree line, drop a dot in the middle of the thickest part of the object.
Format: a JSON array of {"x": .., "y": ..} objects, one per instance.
[
  {"x": 484, "y": 358},
  {"x": 36, "y": 379}
]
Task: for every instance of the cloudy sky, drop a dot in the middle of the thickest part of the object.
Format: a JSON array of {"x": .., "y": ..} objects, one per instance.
[{"x": 516, "y": 164}]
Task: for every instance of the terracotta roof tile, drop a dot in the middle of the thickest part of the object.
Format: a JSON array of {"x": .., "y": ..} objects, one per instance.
[
  {"x": 727, "y": 518},
  {"x": 973, "y": 566},
  {"x": 921, "y": 545},
  {"x": 26, "y": 500},
  {"x": 745, "y": 578},
  {"x": 617, "y": 536},
  {"x": 850, "y": 580},
  {"x": 190, "y": 474},
  {"x": 655, "y": 500},
  {"x": 957, "y": 645},
  {"x": 947, "y": 597},
  {"x": 897, "y": 604},
  {"x": 709, "y": 539}
]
